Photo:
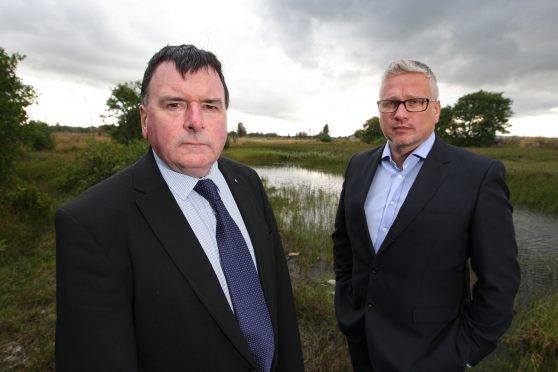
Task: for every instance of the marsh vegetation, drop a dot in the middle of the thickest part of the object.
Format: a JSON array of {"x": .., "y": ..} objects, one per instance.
[{"x": 47, "y": 179}]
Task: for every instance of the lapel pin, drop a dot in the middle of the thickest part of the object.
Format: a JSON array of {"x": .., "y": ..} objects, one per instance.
[{"x": 235, "y": 180}]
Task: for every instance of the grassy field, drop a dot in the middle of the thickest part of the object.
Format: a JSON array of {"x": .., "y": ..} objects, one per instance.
[
  {"x": 531, "y": 164},
  {"x": 47, "y": 179}
]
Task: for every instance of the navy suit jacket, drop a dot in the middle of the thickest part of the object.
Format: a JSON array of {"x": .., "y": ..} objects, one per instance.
[
  {"x": 135, "y": 291},
  {"x": 409, "y": 307}
]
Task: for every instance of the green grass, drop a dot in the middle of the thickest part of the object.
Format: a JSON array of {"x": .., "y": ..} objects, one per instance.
[
  {"x": 304, "y": 217},
  {"x": 532, "y": 174},
  {"x": 329, "y": 157},
  {"x": 27, "y": 310},
  {"x": 324, "y": 347},
  {"x": 531, "y": 343},
  {"x": 532, "y": 171},
  {"x": 27, "y": 258}
]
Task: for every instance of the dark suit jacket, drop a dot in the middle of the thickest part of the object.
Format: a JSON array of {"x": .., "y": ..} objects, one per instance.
[
  {"x": 408, "y": 307},
  {"x": 135, "y": 290}
]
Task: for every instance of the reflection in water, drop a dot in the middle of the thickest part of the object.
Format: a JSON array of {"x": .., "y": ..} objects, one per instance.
[
  {"x": 294, "y": 177},
  {"x": 313, "y": 194},
  {"x": 536, "y": 233}
]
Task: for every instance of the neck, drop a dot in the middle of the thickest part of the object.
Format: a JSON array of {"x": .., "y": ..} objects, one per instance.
[{"x": 399, "y": 154}]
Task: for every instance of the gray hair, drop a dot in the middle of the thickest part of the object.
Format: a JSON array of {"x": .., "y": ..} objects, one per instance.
[{"x": 403, "y": 66}]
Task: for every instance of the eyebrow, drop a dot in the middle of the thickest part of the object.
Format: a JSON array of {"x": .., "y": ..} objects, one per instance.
[
  {"x": 213, "y": 101},
  {"x": 171, "y": 98},
  {"x": 401, "y": 100},
  {"x": 180, "y": 99}
]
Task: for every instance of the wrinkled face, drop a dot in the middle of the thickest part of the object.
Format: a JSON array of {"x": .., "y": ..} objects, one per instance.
[
  {"x": 185, "y": 119},
  {"x": 407, "y": 130}
]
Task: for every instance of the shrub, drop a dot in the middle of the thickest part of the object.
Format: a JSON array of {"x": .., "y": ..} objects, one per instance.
[
  {"x": 100, "y": 160},
  {"x": 38, "y": 135},
  {"x": 24, "y": 215},
  {"x": 29, "y": 201}
]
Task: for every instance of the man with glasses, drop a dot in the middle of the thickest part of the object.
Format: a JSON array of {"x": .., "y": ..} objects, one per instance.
[{"x": 413, "y": 215}]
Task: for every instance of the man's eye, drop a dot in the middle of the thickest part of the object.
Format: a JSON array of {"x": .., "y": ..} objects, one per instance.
[
  {"x": 175, "y": 105},
  {"x": 416, "y": 101},
  {"x": 391, "y": 104},
  {"x": 210, "y": 107}
]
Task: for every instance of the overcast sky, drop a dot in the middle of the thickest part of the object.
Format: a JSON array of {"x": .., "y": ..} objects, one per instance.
[{"x": 291, "y": 65}]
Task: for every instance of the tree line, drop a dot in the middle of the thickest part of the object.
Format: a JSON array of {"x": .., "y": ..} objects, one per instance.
[{"x": 474, "y": 120}]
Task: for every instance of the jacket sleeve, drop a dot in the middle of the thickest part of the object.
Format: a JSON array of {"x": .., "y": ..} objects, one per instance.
[
  {"x": 493, "y": 252},
  {"x": 94, "y": 326}
]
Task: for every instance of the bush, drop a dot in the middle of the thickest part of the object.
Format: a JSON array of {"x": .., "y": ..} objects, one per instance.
[
  {"x": 30, "y": 201},
  {"x": 100, "y": 160},
  {"x": 24, "y": 215},
  {"x": 38, "y": 135}
]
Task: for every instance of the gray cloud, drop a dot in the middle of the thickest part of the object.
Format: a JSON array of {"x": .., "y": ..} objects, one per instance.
[
  {"x": 508, "y": 46},
  {"x": 75, "y": 40},
  {"x": 502, "y": 46}
]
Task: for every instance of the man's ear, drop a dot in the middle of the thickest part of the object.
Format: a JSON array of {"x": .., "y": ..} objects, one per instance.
[
  {"x": 437, "y": 110},
  {"x": 143, "y": 119}
]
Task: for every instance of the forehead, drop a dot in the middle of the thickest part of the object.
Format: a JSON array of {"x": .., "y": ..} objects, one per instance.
[
  {"x": 167, "y": 79},
  {"x": 409, "y": 84}
]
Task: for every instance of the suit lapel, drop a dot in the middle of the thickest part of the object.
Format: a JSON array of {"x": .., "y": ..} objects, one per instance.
[
  {"x": 163, "y": 214},
  {"x": 363, "y": 179},
  {"x": 432, "y": 174}
]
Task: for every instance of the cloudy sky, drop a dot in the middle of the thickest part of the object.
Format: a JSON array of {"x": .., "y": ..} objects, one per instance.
[{"x": 291, "y": 65}]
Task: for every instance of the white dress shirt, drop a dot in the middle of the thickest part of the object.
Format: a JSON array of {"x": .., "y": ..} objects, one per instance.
[
  {"x": 389, "y": 189},
  {"x": 200, "y": 214}
]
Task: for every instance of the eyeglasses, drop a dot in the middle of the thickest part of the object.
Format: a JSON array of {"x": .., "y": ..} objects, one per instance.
[{"x": 411, "y": 105}]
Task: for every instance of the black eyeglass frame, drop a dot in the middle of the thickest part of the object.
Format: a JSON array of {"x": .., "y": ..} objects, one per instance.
[{"x": 427, "y": 100}]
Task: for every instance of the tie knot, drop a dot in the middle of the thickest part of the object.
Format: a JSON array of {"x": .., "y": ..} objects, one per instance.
[{"x": 208, "y": 189}]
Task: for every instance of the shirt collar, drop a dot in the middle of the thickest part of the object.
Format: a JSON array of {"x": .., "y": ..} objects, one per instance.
[{"x": 180, "y": 183}]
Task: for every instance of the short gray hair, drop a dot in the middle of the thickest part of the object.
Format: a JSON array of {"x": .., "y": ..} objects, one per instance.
[{"x": 403, "y": 66}]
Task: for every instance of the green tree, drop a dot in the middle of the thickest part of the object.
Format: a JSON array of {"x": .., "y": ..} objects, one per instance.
[
  {"x": 445, "y": 126},
  {"x": 241, "y": 130},
  {"x": 324, "y": 134},
  {"x": 371, "y": 131},
  {"x": 123, "y": 105},
  {"x": 15, "y": 97},
  {"x": 477, "y": 117},
  {"x": 38, "y": 135}
]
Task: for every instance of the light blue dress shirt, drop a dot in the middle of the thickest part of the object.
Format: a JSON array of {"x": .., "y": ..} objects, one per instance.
[
  {"x": 389, "y": 190},
  {"x": 201, "y": 217}
]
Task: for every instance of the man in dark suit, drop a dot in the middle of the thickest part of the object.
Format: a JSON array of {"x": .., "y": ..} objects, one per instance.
[
  {"x": 143, "y": 281},
  {"x": 412, "y": 215}
]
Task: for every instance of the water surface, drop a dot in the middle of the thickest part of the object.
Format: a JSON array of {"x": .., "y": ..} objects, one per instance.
[{"x": 536, "y": 233}]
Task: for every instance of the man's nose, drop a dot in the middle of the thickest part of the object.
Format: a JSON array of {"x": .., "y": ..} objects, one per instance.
[
  {"x": 401, "y": 110},
  {"x": 194, "y": 118}
]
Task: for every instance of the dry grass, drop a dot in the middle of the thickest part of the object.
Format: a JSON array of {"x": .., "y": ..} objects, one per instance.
[{"x": 74, "y": 141}]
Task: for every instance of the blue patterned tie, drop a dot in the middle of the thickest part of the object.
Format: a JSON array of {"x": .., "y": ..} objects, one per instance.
[{"x": 242, "y": 279}]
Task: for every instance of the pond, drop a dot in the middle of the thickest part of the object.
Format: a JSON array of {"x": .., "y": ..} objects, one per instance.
[{"x": 536, "y": 233}]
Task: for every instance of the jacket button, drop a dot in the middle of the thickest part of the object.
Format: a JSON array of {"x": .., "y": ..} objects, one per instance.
[
  {"x": 371, "y": 305},
  {"x": 375, "y": 270}
]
